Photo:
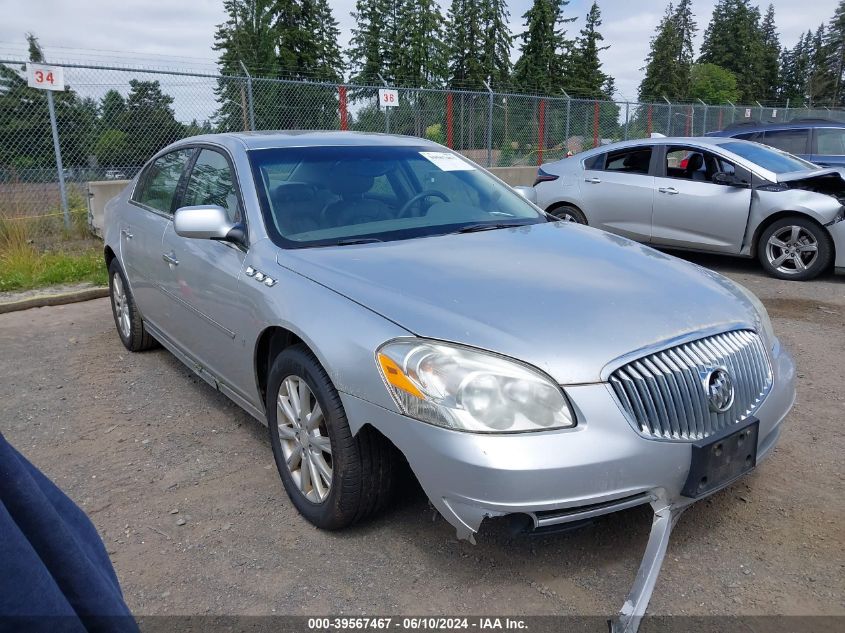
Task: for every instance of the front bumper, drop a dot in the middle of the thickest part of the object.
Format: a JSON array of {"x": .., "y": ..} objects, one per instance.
[
  {"x": 837, "y": 233},
  {"x": 600, "y": 466}
]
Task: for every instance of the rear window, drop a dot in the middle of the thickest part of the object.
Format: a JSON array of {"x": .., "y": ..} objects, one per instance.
[
  {"x": 792, "y": 141},
  {"x": 830, "y": 141},
  {"x": 630, "y": 160}
]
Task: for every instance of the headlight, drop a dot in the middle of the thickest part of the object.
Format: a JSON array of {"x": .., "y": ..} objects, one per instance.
[
  {"x": 764, "y": 322},
  {"x": 459, "y": 388}
]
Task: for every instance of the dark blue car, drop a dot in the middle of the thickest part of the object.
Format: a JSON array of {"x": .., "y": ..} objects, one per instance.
[{"x": 819, "y": 141}]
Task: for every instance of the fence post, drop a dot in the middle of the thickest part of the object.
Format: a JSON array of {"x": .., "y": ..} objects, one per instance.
[
  {"x": 648, "y": 121},
  {"x": 688, "y": 123},
  {"x": 541, "y": 128},
  {"x": 489, "y": 123},
  {"x": 668, "y": 118},
  {"x": 596, "y": 123},
  {"x": 568, "y": 112},
  {"x": 249, "y": 96},
  {"x": 627, "y": 110},
  {"x": 54, "y": 128},
  {"x": 450, "y": 122},
  {"x": 704, "y": 122},
  {"x": 786, "y": 112},
  {"x": 344, "y": 114},
  {"x": 385, "y": 108}
]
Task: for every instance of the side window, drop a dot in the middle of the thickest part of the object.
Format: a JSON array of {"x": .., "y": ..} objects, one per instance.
[
  {"x": 157, "y": 185},
  {"x": 690, "y": 163},
  {"x": 630, "y": 161},
  {"x": 596, "y": 162},
  {"x": 792, "y": 141},
  {"x": 748, "y": 136},
  {"x": 830, "y": 141},
  {"x": 212, "y": 183}
]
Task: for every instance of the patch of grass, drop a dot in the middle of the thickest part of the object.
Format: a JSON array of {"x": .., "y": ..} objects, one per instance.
[{"x": 22, "y": 267}]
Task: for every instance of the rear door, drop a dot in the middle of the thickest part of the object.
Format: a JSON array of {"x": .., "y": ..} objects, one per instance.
[
  {"x": 828, "y": 147},
  {"x": 618, "y": 190},
  {"x": 151, "y": 208},
  {"x": 690, "y": 210}
]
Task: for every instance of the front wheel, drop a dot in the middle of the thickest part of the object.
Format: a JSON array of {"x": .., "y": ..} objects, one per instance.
[
  {"x": 568, "y": 213},
  {"x": 332, "y": 477},
  {"x": 795, "y": 248}
]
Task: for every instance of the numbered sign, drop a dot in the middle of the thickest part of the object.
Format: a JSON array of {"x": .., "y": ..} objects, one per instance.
[
  {"x": 388, "y": 98},
  {"x": 774, "y": 114},
  {"x": 45, "y": 77},
  {"x": 747, "y": 113}
]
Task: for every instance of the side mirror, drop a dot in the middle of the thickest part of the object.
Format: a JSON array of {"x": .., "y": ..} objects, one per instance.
[
  {"x": 529, "y": 193},
  {"x": 721, "y": 178},
  {"x": 207, "y": 223}
]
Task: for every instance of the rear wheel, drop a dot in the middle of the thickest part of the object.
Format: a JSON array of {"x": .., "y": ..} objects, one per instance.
[
  {"x": 130, "y": 325},
  {"x": 568, "y": 213},
  {"x": 794, "y": 248},
  {"x": 332, "y": 477}
]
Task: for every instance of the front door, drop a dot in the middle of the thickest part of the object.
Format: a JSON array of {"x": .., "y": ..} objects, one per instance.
[
  {"x": 617, "y": 190},
  {"x": 690, "y": 210},
  {"x": 148, "y": 214},
  {"x": 828, "y": 147},
  {"x": 204, "y": 276}
]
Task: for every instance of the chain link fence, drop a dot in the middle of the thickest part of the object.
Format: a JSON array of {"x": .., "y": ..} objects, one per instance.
[{"x": 110, "y": 120}]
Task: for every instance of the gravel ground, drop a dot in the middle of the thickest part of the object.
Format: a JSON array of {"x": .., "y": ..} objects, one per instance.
[{"x": 181, "y": 485}]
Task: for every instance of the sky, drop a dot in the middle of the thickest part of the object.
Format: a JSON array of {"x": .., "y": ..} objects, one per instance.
[{"x": 168, "y": 34}]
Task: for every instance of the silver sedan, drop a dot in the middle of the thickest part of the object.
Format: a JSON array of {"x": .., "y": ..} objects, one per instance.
[
  {"x": 718, "y": 195},
  {"x": 377, "y": 299}
]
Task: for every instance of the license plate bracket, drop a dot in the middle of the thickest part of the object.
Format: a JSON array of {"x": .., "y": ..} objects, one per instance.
[{"x": 721, "y": 459}]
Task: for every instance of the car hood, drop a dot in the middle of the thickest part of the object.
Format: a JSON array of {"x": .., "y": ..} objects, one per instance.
[
  {"x": 809, "y": 174},
  {"x": 565, "y": 298}
]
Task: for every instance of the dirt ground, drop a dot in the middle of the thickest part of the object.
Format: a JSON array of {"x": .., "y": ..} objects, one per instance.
[{"x": 182, "y": 487}]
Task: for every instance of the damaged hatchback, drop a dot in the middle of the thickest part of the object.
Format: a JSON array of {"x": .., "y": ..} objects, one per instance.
[
  {"x": 718, "y": 195},
  {"x": 375, "y": 299}
]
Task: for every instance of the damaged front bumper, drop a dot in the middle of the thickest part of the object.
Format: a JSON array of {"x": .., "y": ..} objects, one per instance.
[
  {"x": 600, "y": 466},
  {"x": 837, "y": 234}
]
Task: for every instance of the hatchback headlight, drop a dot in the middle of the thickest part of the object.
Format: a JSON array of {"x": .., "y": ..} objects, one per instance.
[{"x": 460, "y": 388}]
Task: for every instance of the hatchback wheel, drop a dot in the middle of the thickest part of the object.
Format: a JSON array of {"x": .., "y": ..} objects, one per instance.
[
  {"x": 332, "y": 477},
  {"x": 130, "y": 325},
  {"x": 568, "y": 213},
  {"x": 794, "y": 248}
]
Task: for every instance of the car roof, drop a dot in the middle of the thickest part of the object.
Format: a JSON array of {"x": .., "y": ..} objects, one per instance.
[
  {"x": 664, "y": 140},
  {"x": 745, "y": 127},
  {"x": 308, "y": 138}
]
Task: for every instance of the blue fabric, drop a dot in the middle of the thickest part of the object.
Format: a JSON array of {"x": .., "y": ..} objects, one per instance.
[{"x": 55, "y": 574}]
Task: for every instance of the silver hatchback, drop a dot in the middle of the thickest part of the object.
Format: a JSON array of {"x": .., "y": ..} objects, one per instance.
[
  {"x": 378, "y": 299},
  {"x": 718, "y": 195}
]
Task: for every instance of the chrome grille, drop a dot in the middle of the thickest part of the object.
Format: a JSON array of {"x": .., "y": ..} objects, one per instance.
[{"x": 665, "y": 393}]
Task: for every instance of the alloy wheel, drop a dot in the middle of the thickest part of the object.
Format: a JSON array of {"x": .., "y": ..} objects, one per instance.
[
  {"x": 121, "y": 305},
  {"x": 304, "y": 439},
  {"x": 792, "y": 250}
]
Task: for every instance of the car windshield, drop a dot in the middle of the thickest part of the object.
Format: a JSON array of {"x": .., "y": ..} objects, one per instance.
[
  {"x": 768, "y": 158},
  {"x": 324, "y": 196}
]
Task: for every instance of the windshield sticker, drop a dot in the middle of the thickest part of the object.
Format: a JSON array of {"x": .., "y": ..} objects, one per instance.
[{"x": 447, "y": 161}]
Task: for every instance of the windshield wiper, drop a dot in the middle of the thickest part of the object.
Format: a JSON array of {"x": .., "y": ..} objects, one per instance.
[
  {"x": 356, "y": 240},
  {"x": 488, "y": 226}
]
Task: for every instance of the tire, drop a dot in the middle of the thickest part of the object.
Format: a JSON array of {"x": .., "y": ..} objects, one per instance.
[
  {"x": 569, "y": 213},
  {"x": 127, "y": 319},
  {"x": 794, "y": 248},
  {"x": 363, "y": 468}
]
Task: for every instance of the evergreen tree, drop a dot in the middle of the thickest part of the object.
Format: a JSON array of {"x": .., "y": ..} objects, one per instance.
[
  {"x": 497, "y": 41},
  {"x": 820, "y": 82},
  {"x": 585, "y": 74},
  {"x": 545, "y": 51},
  {"x": 770, "y": 63},
  {"x": 836, "y": 47},
  {"x": 421, "y": 60},
  {"x": 326, "y": 60},
  {"x": 670, "y": 58},
  {"x": 466, "y": 51},
  {"x": 794, "y": 70},
  {"x": 734, "y": 41}
]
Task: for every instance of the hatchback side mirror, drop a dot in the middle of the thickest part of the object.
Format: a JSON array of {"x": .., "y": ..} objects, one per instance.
[
  {"x": 207, "y": 223},
  {"x": 529, "y": 193},
  {"x": 722, "y": 178}
]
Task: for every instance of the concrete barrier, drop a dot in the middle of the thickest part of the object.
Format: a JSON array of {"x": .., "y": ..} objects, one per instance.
[
  {"x": 100, "y": 192},
  {"x": 516, "y": 176}
]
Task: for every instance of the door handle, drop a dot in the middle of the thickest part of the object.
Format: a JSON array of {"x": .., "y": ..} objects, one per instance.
[
  {"x": 592, "y": 181},
  {"x": 670, "y": 190},
  {"x": 125, "y": 233},
  {"x": 170, "y": 259}
]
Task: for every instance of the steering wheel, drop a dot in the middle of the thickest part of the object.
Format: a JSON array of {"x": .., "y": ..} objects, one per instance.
[{"x": 403, "y": 212}]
